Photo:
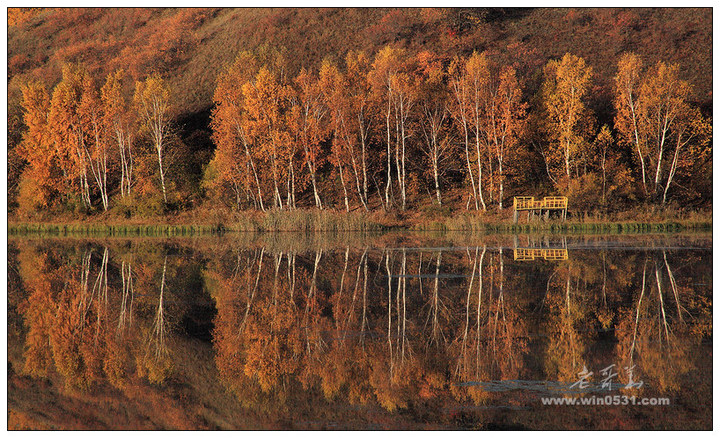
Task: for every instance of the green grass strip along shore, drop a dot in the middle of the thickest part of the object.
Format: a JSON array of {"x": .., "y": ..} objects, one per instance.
[{"x": 271, "y": 223}]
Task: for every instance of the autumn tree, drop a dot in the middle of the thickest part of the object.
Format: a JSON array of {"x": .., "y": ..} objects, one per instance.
[
  {"x": 563, "y": 92},
  {"x": 267, "y": 101},
  {"x": 117, "y": 121},
  {"x": 405, "y": 85},
  {"x": 653, "y": 116},
  {"x": 668, "y": 116},
  {"x": 37, "y": 147},
  {"x": 505, "y": 122},
  {"x": 692, "y": 146},
  {"x": 308, "y": 119},
  {"x": 68, "y": 132},
  {"x": 433, "y": 113},
  {"x": 629, "y": 108},
  {"x": 96, "y": 147},
  {"x": 152, "y": 101},
  {"x": 385, "y": 67},
  {"x": 334, "y": 85},
  {"x": 487, "y": 108},
  {"x": 235, "y": 156},
  {"x": 357, "y": 68},
  {"x": 460, "y": 111},
  {"x": 477, "y": 78}
]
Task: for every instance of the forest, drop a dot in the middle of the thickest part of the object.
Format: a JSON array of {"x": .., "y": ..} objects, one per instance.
[{"x": 405, "y": 118}]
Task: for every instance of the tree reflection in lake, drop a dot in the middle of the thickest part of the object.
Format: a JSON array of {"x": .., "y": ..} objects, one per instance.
[{"x": 366, "y": 335}]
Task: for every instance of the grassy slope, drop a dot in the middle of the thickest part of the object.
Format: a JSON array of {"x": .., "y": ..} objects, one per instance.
[{"x": 210, "y": 39}]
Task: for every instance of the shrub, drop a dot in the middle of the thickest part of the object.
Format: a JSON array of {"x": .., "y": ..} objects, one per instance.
[
  {"x": 29, "y": 197},
  {"x": 149, "y": 206},
  {"x": 584, "y": 193}
]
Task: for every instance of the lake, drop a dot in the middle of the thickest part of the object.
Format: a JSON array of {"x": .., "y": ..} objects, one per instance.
[{"x": 396, "y": 331}]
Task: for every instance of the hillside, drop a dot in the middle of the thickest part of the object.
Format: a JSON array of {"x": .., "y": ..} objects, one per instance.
[{"x": 189, "y": 47}]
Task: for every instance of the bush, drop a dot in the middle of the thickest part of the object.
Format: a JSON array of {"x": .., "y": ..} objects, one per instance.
[
  {"x": 434, "y": 210},
  {"x": 72, "y": 203},
  {"x": 29, "y": 197},
  {"x": 584, "y": 193},
  {"x": 125, "y": 207},
  {"x": 147, "y": 206}
]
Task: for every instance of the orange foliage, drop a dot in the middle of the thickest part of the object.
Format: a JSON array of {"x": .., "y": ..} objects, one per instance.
[
  {"x": 18, "y": 16},
  {"x": 564, "y": 92},
  {"x": 383, "y": 124}
]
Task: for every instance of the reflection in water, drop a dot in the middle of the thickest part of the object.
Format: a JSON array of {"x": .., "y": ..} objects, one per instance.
[
  {"x": 405, "y": 329},
  {"x": 156, "y": 361},
  {"x": 659, "y": 340},
  {"x": 540, "y": 250},
  {"x": 128, "y": 296},
  {"x": 540, "y": 253}
]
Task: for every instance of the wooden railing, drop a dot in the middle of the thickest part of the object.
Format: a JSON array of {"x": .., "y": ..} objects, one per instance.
[
  {"x": 529, "y": 204},
  {"x": 547, "y": 203},
  {"x": 524, "y": 254}
]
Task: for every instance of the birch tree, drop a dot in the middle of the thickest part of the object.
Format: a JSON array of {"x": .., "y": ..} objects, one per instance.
[
  {"x": 477, "y": 78},
  {"x": 347, "y": 129},
  {"x": 266, "y": 102},
  {"x": 692, "y": 145},
  {"x": 235, "y": 152},
  {"x": 332, "y": 88},
  {"x": 506, "y": 122},
  {"x": 405, "y": 86},
  {"x": 357, "y": 70},
  {"x": 460, "y": 111},
  {"x": 95, "y": 148},
  {"x": 67, "y": 131},
  {"x": 308, "y": 118},
  {"x": 433, "y": 114},
  {"x": 629, "y": 109},
  {"x": 664, "y": 96},
  {"x": 152, "y": 100},
  {"x": 384, "y": 68},
  {"x": 117, "y": 122},
  {"x": 566, "y": 84}
]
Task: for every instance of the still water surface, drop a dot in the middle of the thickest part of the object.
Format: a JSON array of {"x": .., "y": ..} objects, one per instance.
[{"x": 346, "y": 332}]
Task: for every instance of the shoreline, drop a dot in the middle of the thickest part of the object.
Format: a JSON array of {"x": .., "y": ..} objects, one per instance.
[{"x": 363, "y": 226}]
